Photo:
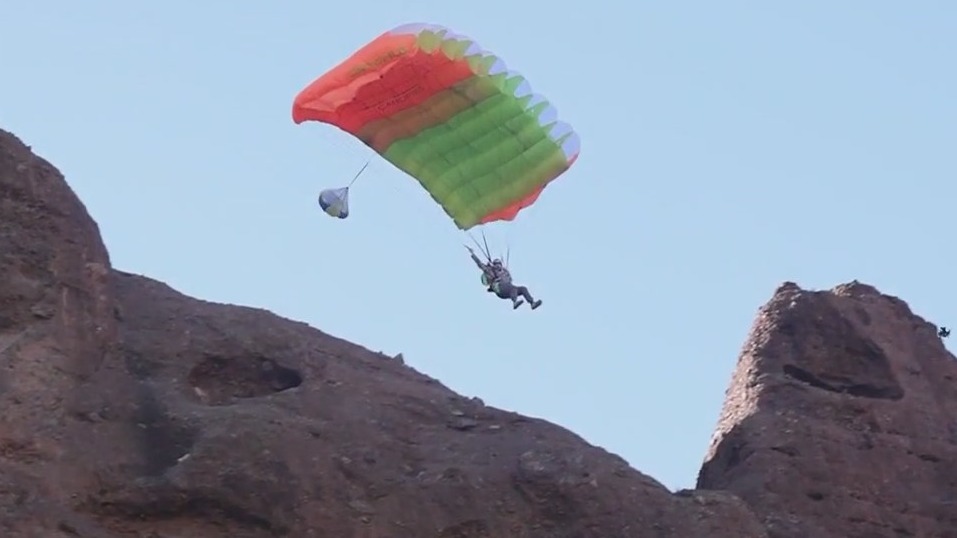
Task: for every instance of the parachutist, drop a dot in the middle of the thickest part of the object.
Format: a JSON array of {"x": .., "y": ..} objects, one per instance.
[
  {"x": 478, "y": 164},
  {"x": 944, "y": 332},
  {"x": 499, "y": 281}
]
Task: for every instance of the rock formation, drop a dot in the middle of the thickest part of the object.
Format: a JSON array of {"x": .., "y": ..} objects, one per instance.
[
  {"x": 841, "y": 419},
  {"x": 131, "y": 410}
]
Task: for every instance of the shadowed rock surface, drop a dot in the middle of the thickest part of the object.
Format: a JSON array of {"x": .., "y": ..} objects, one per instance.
[
  {"x": 841, "y": 419},
  {"x": 131, "y": 410}
]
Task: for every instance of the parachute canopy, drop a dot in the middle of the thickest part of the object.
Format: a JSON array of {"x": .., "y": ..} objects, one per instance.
[{"x": 451, "y": 115}]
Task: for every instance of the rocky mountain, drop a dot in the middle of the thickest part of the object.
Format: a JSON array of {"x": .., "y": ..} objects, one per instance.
[
  {"x": 841, "y": 419},
  {"x": 132, "y": 410}
]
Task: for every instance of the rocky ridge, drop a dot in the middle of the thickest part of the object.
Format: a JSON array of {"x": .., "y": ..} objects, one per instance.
[{"x": 131, "y": 410}]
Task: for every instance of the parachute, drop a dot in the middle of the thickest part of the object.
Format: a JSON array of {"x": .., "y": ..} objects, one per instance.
[
  {"x": 451, "y": 115},
  {"x": 335, "y": 202}
]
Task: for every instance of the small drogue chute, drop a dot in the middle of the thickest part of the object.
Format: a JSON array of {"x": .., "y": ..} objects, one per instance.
[{"x": 335, "y": 202}]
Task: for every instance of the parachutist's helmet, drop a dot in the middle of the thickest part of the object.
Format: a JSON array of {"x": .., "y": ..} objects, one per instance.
[{"x": 497, "y": 262}]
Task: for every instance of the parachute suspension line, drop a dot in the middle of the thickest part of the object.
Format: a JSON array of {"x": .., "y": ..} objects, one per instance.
[
  {"x": 359, "y": 173},
  {"x": 483, "y": 251},
  {"x": 488, "y": 253},
  {"x": 511, "y": 230},
  {"x": 508, "y": 243}
]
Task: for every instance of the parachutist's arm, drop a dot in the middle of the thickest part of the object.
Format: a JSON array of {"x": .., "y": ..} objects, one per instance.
[{"x": 477, "y": 261}]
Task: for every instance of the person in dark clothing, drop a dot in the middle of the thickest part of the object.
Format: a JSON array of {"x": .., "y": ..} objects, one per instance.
[{"x": 499, "y": 281}]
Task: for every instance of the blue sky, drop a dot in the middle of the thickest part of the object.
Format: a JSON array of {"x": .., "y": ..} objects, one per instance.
[{"x": 726, "y": 147}]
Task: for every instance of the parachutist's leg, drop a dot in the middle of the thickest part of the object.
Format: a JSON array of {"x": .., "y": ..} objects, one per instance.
[
  {"x": 509, "y": 291},
  {"x": 513, "y": 293},
  {"x": 523, "y": 291},
  {"x": 528, "y": 297}
]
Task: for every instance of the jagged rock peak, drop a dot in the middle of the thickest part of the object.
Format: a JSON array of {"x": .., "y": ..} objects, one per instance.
[{"x": 840, "y": 419}]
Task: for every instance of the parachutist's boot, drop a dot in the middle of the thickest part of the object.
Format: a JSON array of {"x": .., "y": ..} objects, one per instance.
[
  {"x": 536, "y": 304},
  {"x": 517, "y": 303}
]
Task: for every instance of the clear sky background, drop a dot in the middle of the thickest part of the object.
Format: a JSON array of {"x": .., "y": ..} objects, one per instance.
[{"x": 726, "y": 147}]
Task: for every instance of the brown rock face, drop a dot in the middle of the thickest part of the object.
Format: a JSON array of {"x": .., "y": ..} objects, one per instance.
[
  {"x": 841, "y": 420},
  {"x": 57, "y": 338},
  {"x": 130, "y": 410}
]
